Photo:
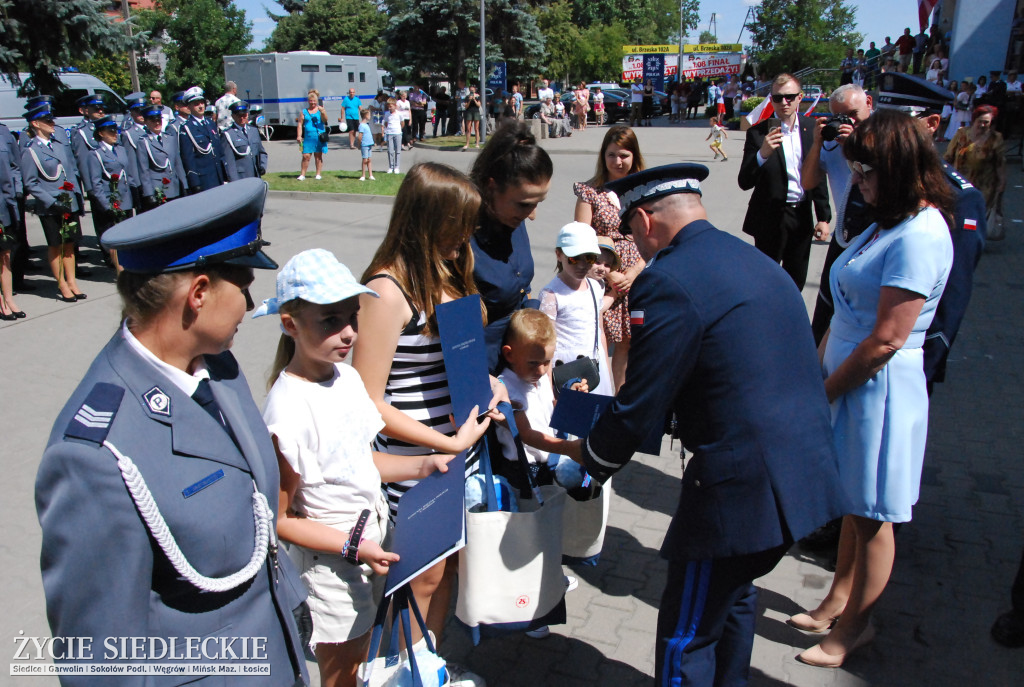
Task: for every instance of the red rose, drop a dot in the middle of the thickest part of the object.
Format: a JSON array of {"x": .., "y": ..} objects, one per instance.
[
  {"x": 165, "y": 181},
  {"x": 117, "y": 205},
  {"x": 115, "y": 177},
  {"x": 67, "y": 186},
  {"x": 67, "y": 216}
]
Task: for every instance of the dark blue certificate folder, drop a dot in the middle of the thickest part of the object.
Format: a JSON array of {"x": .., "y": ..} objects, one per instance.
[
  {"x": 461, "y": 328},
  {"x": 431, "y": 523},
  {"x": 576, "y": 413}
]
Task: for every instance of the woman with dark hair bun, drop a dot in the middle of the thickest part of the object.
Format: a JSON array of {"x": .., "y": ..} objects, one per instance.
[
  {"x": 886, "y": 284},
  {"x": 513, "y": 175}
]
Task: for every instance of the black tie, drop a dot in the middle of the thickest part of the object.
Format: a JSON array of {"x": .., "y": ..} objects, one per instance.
[{"x": 204, "y": 396}]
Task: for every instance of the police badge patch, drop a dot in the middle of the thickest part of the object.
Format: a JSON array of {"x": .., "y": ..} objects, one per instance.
[{"x": 158, "y": 402}]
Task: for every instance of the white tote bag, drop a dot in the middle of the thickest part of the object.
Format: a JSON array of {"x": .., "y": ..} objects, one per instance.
[{"x": 584, "y": 524}]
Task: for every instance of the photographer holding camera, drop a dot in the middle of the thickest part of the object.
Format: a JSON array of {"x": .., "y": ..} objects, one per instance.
[{"x": 849, "y": 105}]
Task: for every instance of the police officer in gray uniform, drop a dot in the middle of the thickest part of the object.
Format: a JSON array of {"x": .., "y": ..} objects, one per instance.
[
  {"x": 133, "y": 127},
  {"x": 82, "y": 140},
  {"x": 159, "y": 163},
  {"x": 721, "y": 339},
  {"x": 109, "y": 171},
  {"x": 244, "y": 156},
  {"x": 158, "y": 490}
]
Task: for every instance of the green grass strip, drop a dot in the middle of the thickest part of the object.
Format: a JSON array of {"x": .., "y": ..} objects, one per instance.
[{"x": 337, "y": 182}]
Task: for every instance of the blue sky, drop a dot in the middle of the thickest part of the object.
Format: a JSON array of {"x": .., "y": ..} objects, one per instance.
[{"x": 876, "y": 19}]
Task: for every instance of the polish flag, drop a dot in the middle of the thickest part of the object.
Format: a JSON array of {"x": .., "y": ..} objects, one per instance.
[
  {"x": 636, "y": 318},
  {"x": 970, "y": 224},
  {"x": 761, "y": 112},
  {"x": 924, "y": 10}
]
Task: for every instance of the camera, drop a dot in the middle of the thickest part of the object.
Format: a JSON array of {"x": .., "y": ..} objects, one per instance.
[{"x": 831, "y": 130}]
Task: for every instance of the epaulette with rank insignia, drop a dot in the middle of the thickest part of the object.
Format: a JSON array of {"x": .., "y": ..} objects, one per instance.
[
  {"x": 957, "y": 178},
  {"x": 93, "y": 419}
]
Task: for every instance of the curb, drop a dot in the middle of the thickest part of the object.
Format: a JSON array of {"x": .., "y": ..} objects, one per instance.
[{"x": 336, "y": 197}]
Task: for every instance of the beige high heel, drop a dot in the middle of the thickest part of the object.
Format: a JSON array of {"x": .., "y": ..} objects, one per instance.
[
  {"x": 804, "y": 621},
  {"x": 816, "y": 656}
]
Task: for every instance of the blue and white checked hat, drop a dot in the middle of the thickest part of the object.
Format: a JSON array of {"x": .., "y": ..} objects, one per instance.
[{"x": 315, "y": 276}]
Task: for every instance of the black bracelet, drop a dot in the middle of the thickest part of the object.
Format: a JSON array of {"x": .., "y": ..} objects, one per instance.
[{"x": 350, "y": 552}]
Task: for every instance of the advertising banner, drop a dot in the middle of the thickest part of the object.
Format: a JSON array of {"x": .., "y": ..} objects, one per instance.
[
  {"x": 497, "y": 79},
  {"x": 654, "y": 69},
  {"x": 712, "y": 47},
  {"x": 716, "y": 64},
  {"x": 633, "y": 67}
]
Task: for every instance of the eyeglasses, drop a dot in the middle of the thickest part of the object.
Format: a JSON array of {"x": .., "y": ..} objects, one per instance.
[
  {"x": 788, "y": 97},
  {"x": 588, "y": 258},
  {"x": 860, "y": 168}
]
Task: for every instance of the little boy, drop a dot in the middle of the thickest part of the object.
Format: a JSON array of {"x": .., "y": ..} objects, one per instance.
[
  {"x": 528, "y": 350},
  {"x": 365, "y": 144}
]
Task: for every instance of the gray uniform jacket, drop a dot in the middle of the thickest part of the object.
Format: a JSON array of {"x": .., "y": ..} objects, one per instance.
[
  {"x": 8, "y": 199},
  {"x": 244, "y": 155},
  {"x": 129, "y": 139},
  {"x": 83, "y": 143},
  {"x": 158, "y": 160},
  {"x": 102, "y": 164},
  {"x": 44, "y": 169},
  {"x": 105, "y": 576},
  {"x": 10, "y": 143}
]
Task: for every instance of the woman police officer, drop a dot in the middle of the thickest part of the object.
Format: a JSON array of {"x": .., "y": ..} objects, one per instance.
[{"x": 158, "y": 489}]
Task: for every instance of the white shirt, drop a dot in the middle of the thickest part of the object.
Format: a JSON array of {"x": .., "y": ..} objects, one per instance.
[
  {"x": 576, "y": 315},
  {"x": 224, "y": 120},
  {"x": 538, "y": 402},
  {"x": 793, "y": 152},
  {"x": 636, "y": 93},
  {"x": 546, "y": 92},
  {"x": 181, "y": 379},
  {"x": 325, "y": 430},
  {"x": 1013, "y": 87}
]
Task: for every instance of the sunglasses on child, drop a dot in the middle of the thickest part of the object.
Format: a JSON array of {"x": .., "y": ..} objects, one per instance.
[{"x": 588, "y": 258}]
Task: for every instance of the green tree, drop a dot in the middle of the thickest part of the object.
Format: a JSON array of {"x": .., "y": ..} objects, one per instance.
[
  {"x": 341, "y": 27},
  {"x": 789, "y": 35},
  {"x": 201, "y": 32},
  {"x": 645, "y": 21},
  {"x": 430, "y": 36},
  {"x": 42, "y": 36},
  {"x": 707, "y": 37}
]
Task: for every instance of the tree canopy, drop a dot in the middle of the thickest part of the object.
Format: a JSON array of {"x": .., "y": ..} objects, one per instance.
[
  {"x": 42, "y": 36},
  {"x": 789, "y": 35},
  {"x": 202, "y": 32},
  {"x": 341, "y": 27}
]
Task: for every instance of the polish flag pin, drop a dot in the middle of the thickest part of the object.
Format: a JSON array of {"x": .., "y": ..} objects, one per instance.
[
  {"x": 970, "y": 224},
  {"x": 636, "y": 318}
]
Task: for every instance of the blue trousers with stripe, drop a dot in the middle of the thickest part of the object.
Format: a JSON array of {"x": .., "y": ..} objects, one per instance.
[{"x": 706, "y": 620}]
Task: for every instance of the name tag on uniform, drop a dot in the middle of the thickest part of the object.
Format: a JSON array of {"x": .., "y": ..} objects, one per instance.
[{"x": 202, "y": 484}]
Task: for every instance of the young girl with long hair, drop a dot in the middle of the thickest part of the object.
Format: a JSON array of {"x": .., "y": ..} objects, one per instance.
[{"x": 424, "y": 260}]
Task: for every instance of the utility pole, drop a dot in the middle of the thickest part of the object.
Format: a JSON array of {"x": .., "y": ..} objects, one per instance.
[{"x": 133, "y": 67}]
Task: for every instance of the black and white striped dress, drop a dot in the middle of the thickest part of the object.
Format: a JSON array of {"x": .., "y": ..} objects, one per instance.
[{"x": 418, "y": 386}]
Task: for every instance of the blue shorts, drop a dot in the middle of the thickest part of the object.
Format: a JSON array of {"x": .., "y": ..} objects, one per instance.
[{"x": 367, "y": 152}]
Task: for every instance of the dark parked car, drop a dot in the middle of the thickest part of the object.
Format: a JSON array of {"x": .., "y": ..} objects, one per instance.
[
  {"x": 661, "y": 102},
  {"x": 616, "y": 107}
]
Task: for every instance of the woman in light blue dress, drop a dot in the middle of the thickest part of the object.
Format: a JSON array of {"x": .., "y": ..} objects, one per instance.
[
  {"x": 886, "y": 286},
  {"x": 310, "y": 125}
]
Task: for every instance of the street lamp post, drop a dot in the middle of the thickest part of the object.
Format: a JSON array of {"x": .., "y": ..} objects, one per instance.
[{"x": 483, "y": 78}]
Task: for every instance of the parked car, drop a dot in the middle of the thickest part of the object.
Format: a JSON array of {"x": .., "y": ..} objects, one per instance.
[
  {"x": 65, "y": 107},
  {"x": 661, "y": 103},
  {"x": 616, "y": 107}
]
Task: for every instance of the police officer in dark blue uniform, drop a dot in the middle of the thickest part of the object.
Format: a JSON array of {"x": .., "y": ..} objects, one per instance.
[
  {"x": 721, "y": 339},
  {"x": 244, "y": 156},
  {"x": 157, "y": 494},
  {"x": 199, "y": 145}
]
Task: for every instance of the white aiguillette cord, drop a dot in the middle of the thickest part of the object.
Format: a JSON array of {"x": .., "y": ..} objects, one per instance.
[{"x": 266, "y": 539}]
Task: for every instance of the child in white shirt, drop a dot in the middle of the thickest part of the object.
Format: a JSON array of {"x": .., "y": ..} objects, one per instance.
[
  {"x": 575, "y": 302},
  {"x": 322, "y": 422}
]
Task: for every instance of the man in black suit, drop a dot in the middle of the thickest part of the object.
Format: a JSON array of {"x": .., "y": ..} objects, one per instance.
[{"x": 779, "y": 214}]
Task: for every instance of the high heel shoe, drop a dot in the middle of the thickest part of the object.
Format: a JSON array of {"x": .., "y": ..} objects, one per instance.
[
  {"x": 7, "y": 317},
  {"x": 65, "y": 299},
  {"x": 19, "y": 314},
  {"x": 80, "y": 296},
  {"x": 804, "y": 621},
  {"x": 816, "y": 656}
]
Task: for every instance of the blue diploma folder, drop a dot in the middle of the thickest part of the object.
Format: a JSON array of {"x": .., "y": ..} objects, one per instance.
[
  {"x": 461, "y": 329},
  {"x": 431, "y": 523},
  {"x": 576, "y": 413}
]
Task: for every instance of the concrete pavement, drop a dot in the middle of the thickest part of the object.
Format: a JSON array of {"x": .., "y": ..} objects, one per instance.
[{"x": 954, "y": 562}]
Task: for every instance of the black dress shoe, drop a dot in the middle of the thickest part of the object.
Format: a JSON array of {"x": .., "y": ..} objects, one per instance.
[
  {"x": 64, "y": 299},
  {"x": 7, "y": 318},
  {"x": 19, "y": 314},
  {"x": 81, "y": 296}
]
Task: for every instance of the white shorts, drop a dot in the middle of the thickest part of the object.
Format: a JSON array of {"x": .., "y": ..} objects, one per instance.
[{"x": 343, "y": 598}]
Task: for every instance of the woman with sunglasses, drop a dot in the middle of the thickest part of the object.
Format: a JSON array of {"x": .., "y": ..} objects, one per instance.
[
  {"x": 48, "y": 171},
  {"x": 886, "y": 287}
]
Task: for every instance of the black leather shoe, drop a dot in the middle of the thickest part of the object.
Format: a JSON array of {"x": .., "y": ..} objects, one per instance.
[
  {"x": 63, "y": 299},
  {"x": 81, "y": 296},
  {"x": 7, "y": 318},
  {"x": 19, "y": 314}
]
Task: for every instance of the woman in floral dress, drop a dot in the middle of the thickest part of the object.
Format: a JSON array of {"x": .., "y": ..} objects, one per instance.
[{"x": 619, "y": 156}]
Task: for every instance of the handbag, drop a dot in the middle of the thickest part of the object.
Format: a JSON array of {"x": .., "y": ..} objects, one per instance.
[
  {"x": 323, "y": 136},
  {"x": 995, "y": 230},
  {"x": 421, "y": 667},
  {"x": 584, "y": 524},
  {"x": 510, "y": 573}
]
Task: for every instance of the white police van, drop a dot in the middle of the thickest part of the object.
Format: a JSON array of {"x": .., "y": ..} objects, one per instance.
[{"x": 12, "y": 107}]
